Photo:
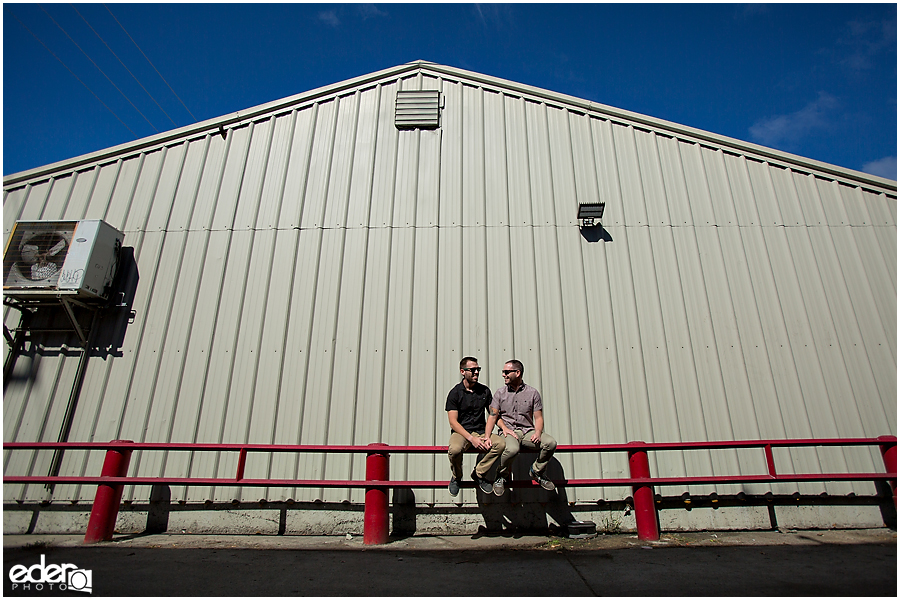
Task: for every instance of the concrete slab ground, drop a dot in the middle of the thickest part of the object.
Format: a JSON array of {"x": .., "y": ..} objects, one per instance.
[{"x": 750, "y": 563}]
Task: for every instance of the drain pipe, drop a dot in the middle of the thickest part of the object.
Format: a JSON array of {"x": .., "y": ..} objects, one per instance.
[
  {"x": 73, "y": 400},
  {"x": 16, "y": 344}
]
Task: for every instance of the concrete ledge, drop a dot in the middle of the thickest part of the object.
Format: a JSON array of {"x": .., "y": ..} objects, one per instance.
[
  {"x": 693, "y": 539},
  {"x": 329, "y": 519}
]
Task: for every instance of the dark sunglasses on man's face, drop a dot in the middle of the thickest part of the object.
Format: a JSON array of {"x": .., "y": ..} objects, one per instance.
[
  {"x": 508, "y": 371},
  {"x": 473, "y": 370}
]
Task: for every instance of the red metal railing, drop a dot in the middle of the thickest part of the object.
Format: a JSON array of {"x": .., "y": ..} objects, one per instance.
[{"x": 377, "y": 484}]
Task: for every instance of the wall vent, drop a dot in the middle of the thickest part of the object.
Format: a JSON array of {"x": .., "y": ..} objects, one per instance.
[{"x": 418, "y": 109}]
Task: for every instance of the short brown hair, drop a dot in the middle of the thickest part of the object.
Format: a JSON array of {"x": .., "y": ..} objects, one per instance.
[
  {"x": 466, "y": 360},
  {"x": 517, "y": 364}
]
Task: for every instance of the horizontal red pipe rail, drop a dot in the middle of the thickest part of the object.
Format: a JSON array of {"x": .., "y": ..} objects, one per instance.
[
  {"x": 650, "y": 446},
  {"x": 189, "y": 447},
  {"x": 361, "y": 483},
  {"x": 380, "y": 483},
  {"x": 243, "y": 449}
]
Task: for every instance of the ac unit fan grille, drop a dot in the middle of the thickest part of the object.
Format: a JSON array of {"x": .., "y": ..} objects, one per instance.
[{"x": 35, "y": 254}]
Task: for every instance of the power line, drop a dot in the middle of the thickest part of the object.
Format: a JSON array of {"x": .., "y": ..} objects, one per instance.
[
  {"x": 123, "y": 64},
  {"x": 98, "y": 68},
  {"x": 72, "y": 72},
  {"x": 151, "y": 64}
]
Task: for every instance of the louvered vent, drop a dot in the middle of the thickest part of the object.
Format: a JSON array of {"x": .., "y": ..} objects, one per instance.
[{"x": 418, "y": 109}]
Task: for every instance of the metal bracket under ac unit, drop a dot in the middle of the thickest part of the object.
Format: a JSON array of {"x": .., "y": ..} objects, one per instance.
[
  {"x": 32, "y": 306},
  {"x": 67, "y": 304}
]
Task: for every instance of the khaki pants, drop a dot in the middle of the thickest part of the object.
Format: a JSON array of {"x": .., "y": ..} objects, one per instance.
[
  {"x": 523, "y": 438},
  {"x": 458, "y": 444}
]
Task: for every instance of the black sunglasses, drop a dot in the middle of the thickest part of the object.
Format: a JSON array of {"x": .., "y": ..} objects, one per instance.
[
  {"x": 508, "y": 371},
  {"x": 473, "y": 370}
]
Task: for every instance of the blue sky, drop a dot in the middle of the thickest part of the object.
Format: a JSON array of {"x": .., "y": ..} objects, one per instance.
[{"x": 818, "y": 80}]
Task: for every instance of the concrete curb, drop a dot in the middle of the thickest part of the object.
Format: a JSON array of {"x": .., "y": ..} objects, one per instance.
[{"x": 685, "y": 539}]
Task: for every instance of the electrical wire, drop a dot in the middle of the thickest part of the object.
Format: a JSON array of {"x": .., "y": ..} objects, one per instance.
[
  {"x": 151, "y": 64},
  {"x": 123, "y": 65},
  {"x": 70, "y": 71},
  {"x": 99, "y": 69}
]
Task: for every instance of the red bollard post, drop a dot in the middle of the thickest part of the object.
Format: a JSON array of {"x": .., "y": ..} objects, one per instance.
[
  {"x": 889, "y": 455},
  {"x": 376, "y": 526},
  {"x": 644, "y": 505},
  {"x": 106, "y": 503}
]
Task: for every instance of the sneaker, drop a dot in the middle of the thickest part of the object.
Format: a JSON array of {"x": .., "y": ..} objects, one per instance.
[
  {"x": 453, "y": 488},
  {"x": 542, "y": 481},
  {"x": 484, "y": 484},
  {"x": 499, "y": 486}
]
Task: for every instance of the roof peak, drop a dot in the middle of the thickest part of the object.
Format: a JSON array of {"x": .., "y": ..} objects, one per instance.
[{"x": 455, "y": 73}]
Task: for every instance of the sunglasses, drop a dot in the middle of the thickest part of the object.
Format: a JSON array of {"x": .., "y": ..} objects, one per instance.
[
  {"x": 473, "y": 370},
  {"x": 508, "y": 371}
]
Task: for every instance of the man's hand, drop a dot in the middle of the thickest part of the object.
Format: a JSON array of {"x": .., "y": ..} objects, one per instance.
[
  {"x": 481, "y": 443},
  {"x": 538, "y": 427}
]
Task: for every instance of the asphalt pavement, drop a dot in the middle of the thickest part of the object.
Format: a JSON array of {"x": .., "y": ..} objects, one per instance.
[{"x": 752, "y": 563}]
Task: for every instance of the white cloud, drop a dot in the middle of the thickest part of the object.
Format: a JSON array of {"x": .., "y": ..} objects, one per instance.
[
  {"x": 480, "y": 14},
  {"x": 330, "y": 17},
  {"x": 367, "y": 11},
  {"x": 749, "y": 11},
  {"x": 496, "y": 15},
  {"x": 789, "y": 129},
  {"x": 883, "y": 167},
  {"x": 866, "y": 40}
]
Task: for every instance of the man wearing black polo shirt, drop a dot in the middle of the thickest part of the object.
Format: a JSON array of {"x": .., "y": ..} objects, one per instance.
[{"x": 466, "y": 405}]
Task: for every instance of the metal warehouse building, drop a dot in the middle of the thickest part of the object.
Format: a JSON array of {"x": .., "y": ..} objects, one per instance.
[{"x": 311, "y": 271}]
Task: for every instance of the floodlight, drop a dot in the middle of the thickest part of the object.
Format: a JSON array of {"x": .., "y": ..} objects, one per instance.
[{"x": 587, "y": 212}]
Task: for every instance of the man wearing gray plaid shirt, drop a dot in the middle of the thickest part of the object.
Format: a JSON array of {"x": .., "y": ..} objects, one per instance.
[{"x": 519, "y": 411}]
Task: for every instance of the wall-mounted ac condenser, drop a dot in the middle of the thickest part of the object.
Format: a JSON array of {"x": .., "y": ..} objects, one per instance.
[{"x": 61, "y": 258}]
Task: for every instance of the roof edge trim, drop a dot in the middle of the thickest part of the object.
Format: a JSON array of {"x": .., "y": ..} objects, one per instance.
[
  {"x": 674, "y": 128},
  {"x": 208, "y": 125},
  {"x": 841, "y": 173}
]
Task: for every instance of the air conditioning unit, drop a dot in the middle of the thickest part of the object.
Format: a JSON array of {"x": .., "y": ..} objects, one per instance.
[{"x": 61, "y": 258}]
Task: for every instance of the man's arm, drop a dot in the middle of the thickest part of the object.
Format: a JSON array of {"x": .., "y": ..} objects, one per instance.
[
  {"x": 538, "y": 426},
  {"x": 453, "y": 417},
  {"x": 494, "y": 419},
  {"x": 493, "y": 415}
]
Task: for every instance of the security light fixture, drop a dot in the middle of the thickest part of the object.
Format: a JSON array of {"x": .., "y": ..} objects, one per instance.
[{"x": 588, "y": 212}]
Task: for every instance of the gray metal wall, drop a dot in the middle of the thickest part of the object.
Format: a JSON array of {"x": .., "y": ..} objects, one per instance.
[{"x": 315, "y": 275}]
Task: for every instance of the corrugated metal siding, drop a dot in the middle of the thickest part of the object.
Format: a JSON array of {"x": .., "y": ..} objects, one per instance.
[{"x": 315, "y": 275}]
